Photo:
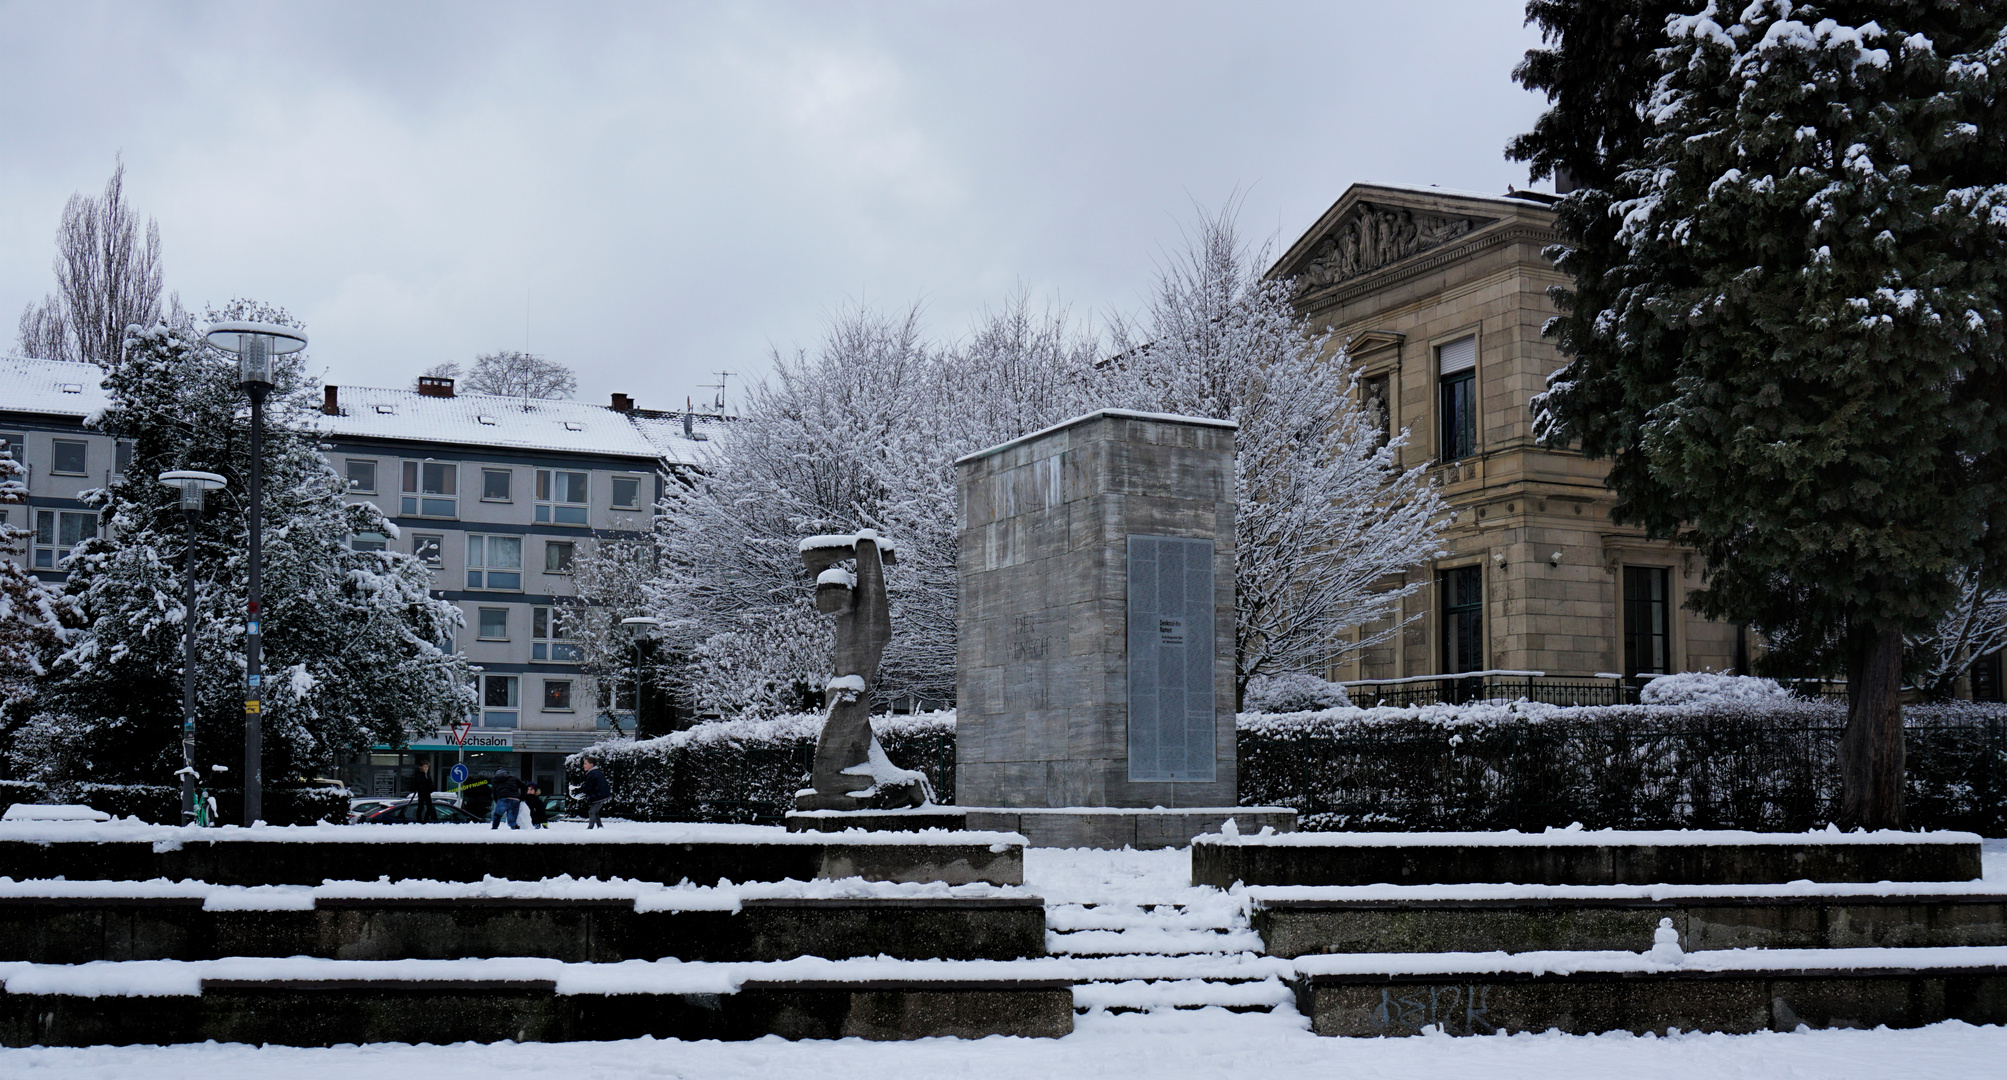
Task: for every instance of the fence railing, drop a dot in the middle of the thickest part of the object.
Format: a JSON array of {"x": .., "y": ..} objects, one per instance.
[{"x": 1493, "y": 686}]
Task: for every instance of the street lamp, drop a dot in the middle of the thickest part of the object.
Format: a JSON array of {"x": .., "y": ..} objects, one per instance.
[
  {"x": 192, "y": 485},
  {"x": 255, "y": 344},
  {"x": 643, "y": 629}
]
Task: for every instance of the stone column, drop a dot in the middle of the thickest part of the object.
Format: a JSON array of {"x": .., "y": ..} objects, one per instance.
[{"x": 1096, "y": 616}]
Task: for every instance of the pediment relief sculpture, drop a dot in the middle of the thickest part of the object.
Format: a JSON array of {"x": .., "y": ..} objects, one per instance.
[{"x": 1372, "y": 236}]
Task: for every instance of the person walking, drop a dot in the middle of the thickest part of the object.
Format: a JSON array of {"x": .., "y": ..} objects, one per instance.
[
  {"x": 596, "y": 790},
  {"x": 421, "y": 790},
  {"x": 508, "y": 791}
]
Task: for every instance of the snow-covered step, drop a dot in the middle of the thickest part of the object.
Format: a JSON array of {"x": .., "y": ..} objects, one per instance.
[
  {"x": 1151, "y": 941},
  {"x": 1144, "y": 996}
]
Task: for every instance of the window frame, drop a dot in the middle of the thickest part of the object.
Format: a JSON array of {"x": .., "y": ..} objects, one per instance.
[
  {"x": 480, "y": 575},
  {"x": 481, "y": 615},
  {"x": 508, "y": 484},
  {"x": 570, "y": 547},
  {"x": 551, "y": 510},
  {"x": 1456, "y": 404},
  {"x": 414, "y": 500},
  {"x": 1461, "y": 604},
  {"x": 16, "y": 441},
  {"x": 613, "y": 487},
  {"x": 437, "y": 543},
  {"x": 569, "y": 703},
  {"x": 551, "y": 640},
  {"x": 368, "y": 541},
  {"x": 54, "y": 547},
  {"x": 495, "y": 715},
  {"x": 1647, "y": 622},
  {"x": 122, "y": 452},
  {"x": 56, "y": 446},
  {"x": 348, "y": 472}
]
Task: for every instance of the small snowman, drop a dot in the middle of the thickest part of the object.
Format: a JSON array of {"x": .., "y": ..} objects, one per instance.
[{"x": 1665, "y": 945}]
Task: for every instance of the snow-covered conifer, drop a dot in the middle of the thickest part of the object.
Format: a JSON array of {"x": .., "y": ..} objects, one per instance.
[{"x": 353, "y": 639}]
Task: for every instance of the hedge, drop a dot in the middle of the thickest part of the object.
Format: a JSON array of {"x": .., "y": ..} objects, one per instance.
[
  {"x": 1754, "y": 764},
  {"x": 160, "y": 804}
]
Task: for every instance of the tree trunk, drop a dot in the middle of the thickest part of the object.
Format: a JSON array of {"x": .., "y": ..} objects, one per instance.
[{"x": 1871, "y": 764}]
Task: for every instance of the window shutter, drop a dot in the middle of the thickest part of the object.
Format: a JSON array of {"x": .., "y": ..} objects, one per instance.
[{"x": 1458, "y": 355}]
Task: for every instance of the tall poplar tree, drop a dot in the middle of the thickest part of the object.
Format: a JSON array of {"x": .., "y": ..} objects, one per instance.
[{"x": 1789, "y": 336}]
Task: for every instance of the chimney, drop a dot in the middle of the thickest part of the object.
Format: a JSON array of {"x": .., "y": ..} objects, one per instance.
[
  {"x": 623, "y": 403},
  {"x": 689, "y": 425},
  {"x": 331, "y": 400},
  {"x": 435, "y": 386}
]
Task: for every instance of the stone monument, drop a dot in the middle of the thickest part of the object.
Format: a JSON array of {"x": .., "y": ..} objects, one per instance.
[
  {"x": 1095, "y": 631},
  {"x": 851, "y": 771}
]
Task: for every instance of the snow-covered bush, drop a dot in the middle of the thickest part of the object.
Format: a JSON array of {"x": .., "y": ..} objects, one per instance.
[
  {"x": 748, "y": 770},
  {"x": 1701, "y": 687},
  {"x": 1295, "y": 691}
]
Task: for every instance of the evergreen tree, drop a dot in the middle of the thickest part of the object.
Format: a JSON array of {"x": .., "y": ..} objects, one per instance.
[
  {"x": 35, "y": 617},
  {"x": 353, "y": 639},
  {"x": 1793, "y": 351}
]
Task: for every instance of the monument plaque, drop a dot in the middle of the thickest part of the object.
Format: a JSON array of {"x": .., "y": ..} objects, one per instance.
[{"x": 1171, "y": 706}]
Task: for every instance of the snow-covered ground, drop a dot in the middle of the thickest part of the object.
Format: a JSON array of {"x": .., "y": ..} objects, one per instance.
[{"x": 1157, "y": 1045}]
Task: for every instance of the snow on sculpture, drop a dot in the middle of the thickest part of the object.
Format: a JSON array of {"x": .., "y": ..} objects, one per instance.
[{"x": 851, "y": 771}]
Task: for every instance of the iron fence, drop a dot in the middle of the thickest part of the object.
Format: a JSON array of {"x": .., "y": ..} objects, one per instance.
[{"x": 1454, "y": 690}]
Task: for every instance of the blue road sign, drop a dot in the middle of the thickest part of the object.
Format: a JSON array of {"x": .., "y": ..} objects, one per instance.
[{"x": 459, "y": 774}]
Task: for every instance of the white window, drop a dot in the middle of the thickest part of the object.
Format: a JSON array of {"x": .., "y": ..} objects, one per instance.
[
  {"x": 551, "y": 637},
  {"x": 557, "y": 556},
  {"x": 15, "y": 443},
  {"x": 627, "y": 493},
  {"x": 557, "y": 695},
  {"x": 495, "y": 562},
  {"x": 71, "y": 457},
  {"x": 369, "y": 541},
  {"x": 431, "y": 489},
  {"x": 57, "y": 531},
  {"x": 500, "y": 700},
  {"x": 362, "y": 476},
  {"x": 561, "y": 497},
  {"x": 427, "y": 547},
  {"x": 495, "y": 623}
]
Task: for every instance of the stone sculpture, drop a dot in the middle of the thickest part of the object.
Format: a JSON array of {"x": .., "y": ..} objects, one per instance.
[
  {"x": 1374, "y": 236},
  {"x": 851, "y": 771}
]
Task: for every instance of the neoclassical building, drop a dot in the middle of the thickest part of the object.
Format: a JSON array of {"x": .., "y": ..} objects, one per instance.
[{"x": 1439, "y": 296}]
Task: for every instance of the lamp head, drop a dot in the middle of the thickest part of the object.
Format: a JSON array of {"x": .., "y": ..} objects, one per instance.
[
  {"x": 255, "y": 344},
  {"x": 192, "y": 485}
]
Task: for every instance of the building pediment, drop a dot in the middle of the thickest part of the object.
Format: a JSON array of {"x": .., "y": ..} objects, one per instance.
[{"x": 1370, "y": 235}]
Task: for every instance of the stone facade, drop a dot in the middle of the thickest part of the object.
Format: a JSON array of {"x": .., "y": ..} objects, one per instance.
[
  {"x": 1404, "y": 278},
  {"x": 1043, "y": 672}
]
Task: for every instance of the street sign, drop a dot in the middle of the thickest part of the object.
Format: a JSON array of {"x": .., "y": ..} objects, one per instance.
[
  {"x": 458, "y": 775},
  {"x": 460, "y": 730}
]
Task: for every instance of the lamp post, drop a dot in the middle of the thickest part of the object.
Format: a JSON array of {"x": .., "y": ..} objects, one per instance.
[
  {"x": 255, "y": 344},
  {"x": 192, "y": 485},
  {"x": 643, "y": 629}
]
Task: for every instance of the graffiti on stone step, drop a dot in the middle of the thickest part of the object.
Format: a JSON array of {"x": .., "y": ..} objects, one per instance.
[{"x": 1455, "y": 1010}]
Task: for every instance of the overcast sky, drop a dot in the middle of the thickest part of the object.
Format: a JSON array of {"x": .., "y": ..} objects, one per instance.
[{"x": 653, "y": 192}]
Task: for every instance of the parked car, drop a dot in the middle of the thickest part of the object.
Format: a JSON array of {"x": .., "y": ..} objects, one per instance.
[{"x": 406, "y": 813}]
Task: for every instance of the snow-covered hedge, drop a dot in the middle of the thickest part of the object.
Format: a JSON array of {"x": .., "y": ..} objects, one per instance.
[
  {"x": 1705, "y": 687},
  {"x": 748, "y": 770},
  {"x": 161, "y": 804},
  {"x": 1296, "y": 691},
  {"x": 1733, "y": 756}
]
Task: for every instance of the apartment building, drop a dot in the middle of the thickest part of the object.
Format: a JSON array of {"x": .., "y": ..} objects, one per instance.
[{"x": 499, "y": 495}]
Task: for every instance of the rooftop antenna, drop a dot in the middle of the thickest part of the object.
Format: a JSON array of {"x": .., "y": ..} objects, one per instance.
[{"x": 718, "y": 402}]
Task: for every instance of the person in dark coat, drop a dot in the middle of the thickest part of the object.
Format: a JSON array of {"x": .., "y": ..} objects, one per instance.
[
  {"x": 421, "y": 790},
  {"x": 508, "y": 790},
  {"x": 596, "y": 790},
  {"x": 534, "y": 795}
]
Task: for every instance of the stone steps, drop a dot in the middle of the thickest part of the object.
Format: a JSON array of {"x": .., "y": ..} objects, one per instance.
[
  {"x": 1299, "y": 927},
  {"x": 1206, "y": 958}
]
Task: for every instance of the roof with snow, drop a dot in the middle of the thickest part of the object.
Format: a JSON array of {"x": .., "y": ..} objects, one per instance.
[
  {"x": 51, "y": 387},
  {"x": 489, "y": 420}
]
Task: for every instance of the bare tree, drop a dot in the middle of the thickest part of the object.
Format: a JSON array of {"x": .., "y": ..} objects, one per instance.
[
  {"x": 520, "y": 374},
  {"x": 1326, "y": 524},
  {"x": 1976, "y": 626},
  {"x": 107, "y": 278}
]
